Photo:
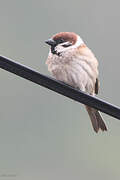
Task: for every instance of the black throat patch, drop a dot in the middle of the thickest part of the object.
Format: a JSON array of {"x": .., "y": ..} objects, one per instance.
[{"x": 54, "y": 51}]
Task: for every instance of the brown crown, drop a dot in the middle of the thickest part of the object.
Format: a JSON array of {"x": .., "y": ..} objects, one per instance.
[{"x": 67, "y": 36}]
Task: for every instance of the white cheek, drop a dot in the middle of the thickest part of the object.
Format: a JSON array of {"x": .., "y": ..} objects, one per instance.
[
  {"x": 59, "y": 48},
  {"x": 77, "y": 44}
]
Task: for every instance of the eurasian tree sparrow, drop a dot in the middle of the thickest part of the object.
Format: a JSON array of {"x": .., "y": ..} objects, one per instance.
[{"x": 72, "y": 62}]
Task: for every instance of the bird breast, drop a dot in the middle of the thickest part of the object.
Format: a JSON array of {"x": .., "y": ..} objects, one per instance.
[{"x": 77, "y": 70}]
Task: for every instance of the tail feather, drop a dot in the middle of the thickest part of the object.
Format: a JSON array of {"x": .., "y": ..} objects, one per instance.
[{"x": 96, "y": 119}]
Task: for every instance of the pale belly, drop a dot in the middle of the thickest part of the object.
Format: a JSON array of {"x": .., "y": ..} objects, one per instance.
[{"x": 74, "y": 75}]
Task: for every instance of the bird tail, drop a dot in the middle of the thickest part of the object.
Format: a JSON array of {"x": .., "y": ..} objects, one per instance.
[{"x": 96, "y": 119}]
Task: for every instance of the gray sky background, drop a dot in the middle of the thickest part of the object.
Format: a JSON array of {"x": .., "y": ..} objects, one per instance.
[{"x": 44, "y": 135}]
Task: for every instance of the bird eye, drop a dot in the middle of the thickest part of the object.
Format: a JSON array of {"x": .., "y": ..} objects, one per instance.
[{"x": 61, "y": 40}]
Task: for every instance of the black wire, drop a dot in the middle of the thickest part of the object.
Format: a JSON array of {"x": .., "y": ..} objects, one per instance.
[{"x": 59, "y": 87}]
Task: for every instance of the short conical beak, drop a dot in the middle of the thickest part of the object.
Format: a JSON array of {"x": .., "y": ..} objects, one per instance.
[{"x": 50, "y": 42}]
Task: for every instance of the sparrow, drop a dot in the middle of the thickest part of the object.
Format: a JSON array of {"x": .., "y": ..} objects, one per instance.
[{"x": 72, "y": 62}]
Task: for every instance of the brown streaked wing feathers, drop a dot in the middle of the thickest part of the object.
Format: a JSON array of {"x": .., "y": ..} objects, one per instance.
[{"x": 97, "y": 84}]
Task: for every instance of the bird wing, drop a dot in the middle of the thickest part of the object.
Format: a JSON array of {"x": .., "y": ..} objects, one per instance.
[{"x": 97, "y": 85}]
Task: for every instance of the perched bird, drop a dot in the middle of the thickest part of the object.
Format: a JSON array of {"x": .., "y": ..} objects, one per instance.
[{"x": 72, "y": 62}]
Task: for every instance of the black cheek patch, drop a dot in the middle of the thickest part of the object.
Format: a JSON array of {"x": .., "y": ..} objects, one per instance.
[{"x": 67, "y": 45}]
